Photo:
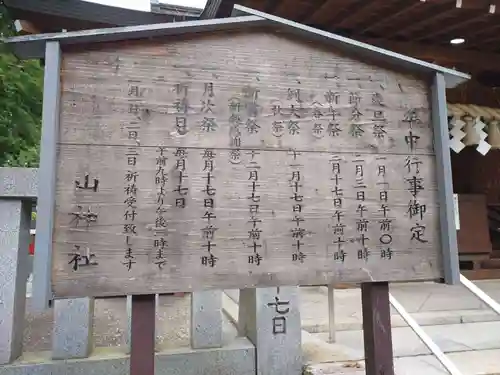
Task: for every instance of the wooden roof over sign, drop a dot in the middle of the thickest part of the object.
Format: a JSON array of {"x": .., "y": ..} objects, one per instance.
[
  {"x": 418, "y": 28},
  {"x": 54, "y": 15},
  {"x": 33, "y": 46}
]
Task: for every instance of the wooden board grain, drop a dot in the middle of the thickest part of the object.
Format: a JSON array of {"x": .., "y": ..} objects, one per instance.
[{"x": 249, "y": 159}]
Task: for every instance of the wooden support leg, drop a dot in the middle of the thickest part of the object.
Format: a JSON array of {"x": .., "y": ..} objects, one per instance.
[
  {"x": 142, "y": 340},
  {"x": 331, "y": 313},
  {"x": 377, "y": 328}
]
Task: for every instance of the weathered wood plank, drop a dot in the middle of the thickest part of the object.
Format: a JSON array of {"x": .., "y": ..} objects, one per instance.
[
  {"x": 241, "y": 161},
  {"x": 377, "y": 330},
  {"x": 99, "y": 82}
]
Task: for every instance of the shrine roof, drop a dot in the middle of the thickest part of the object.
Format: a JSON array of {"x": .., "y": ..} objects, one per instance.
[{"x": 33, "y": 46}]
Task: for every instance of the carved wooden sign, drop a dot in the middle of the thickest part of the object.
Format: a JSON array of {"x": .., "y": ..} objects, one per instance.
[{"x": 236, "y": 161}]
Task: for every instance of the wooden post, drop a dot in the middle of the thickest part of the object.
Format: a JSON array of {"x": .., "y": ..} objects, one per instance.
[
  {"x": 331, "y": 313},
  {"x": 377, "y": 328},
  {"x": 142, "y": 340}
]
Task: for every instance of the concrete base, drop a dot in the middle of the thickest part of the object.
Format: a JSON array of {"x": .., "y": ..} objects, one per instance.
[{"x": 235, "y": 358}]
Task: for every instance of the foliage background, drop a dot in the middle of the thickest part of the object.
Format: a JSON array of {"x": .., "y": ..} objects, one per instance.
[{"x": 21, "y": 92}]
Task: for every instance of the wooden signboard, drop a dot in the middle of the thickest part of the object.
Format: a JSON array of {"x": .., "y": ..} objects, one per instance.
[{"x": 242, "y": 159}]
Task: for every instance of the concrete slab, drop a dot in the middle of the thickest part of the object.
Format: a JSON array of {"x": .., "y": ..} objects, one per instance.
[
  {"x": 236, "y": 358},
  {"x": 429, "y": 304},
  {"x": 483, "y": 362},
  {"x": 449, "y": 338}
]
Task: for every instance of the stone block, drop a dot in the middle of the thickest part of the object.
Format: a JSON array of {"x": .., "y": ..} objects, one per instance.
[
  {"x": 236, "y": 358},
  {"x": 270, "y": 318},
  {"x": 206, "y": 319},
  {"x": 73, "y": 328},
  {"x": 19, "y": 182},
  {"x": 15, "y": 218}
]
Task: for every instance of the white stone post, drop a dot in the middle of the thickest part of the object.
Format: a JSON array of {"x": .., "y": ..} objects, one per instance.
[
  {"x": 72, "y": 334},
  {"x": 15, "y": 219},
  {"x": 206, "y": 319},
  {"x": 270, "y": 318}
]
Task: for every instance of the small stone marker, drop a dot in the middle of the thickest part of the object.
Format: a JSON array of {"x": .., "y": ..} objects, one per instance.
[{"x": 270, "y": 318}]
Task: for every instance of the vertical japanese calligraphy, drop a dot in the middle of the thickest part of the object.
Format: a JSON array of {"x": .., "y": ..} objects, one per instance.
[
  {"x": 362, "y": 222},
  {"x": 333, "y": 100},
  {"x": 281, "y": 309},
  {"x": 81, "y": 258},
  {"x": 86, "y": 183},
  {"x": 181, "y": 191},
  {"x": 130, "y": 214},
  {"x": 297, "y": 232},
  {"x": 196, "y": 166},
  {"x": 235, "y": 122},
  {"x": 385, "y": 222},
  {"x": 379, "y": 119},
  {"x": 160, "y": 243},
  {"x": 251, "y": 96},
  {"x": 254, "y": 233},
  {"x": 416, "y": 210},
  {"x": 295, "y": 112},
  {"x": 412, "y": 118},
  {"x": 181, "y": 108},
  {"x": 338, "y": 226},
  {"x": 208, "y": 231},
  {"x": 209, "y": 122},
  {"x": 131, "y": 175},
  {"x": 86, "y": 216},
  {"x": 355, "y": 118}
]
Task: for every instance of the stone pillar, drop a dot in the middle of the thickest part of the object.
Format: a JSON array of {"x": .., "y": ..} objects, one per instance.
[
  {"x": 72, "y": 334},
  {"x": 206, "y": 319},
  {"x": 270, "y": 318},
  {"x": 15, "y": 219}
]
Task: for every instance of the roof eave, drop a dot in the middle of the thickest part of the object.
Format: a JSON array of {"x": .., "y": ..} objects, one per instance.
[
  {"x": 33, "y": 46},
  {"x": 452, "y": 77}
]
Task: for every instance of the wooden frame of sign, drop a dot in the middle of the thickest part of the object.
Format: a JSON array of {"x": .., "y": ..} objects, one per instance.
[
  {"x": 235, "y": 153},
  {"x": 255, "y": 159}
]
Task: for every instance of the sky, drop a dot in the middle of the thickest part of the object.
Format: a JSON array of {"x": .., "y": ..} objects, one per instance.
[{"x": 145, "y": 4}]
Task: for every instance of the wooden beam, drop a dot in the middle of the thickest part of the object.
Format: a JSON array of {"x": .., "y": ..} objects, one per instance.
[
  {"x": 436, "y": 14},
  {"x": 272, "y": 5},
  {"x": 453, "y": 26},
  {"x": 25, "y": 27},
  {"x": 442, "y": 55},
  {"x": 211, "y": 9},
  {"x": 473, "y": 35},
  {"x": 485, "y": 41},
  {"x": 488, "y": 6},
  {"x": 385, "y": 20},
  {"x": 323, "y": 12},
  {"x": 361, "y": 10}
]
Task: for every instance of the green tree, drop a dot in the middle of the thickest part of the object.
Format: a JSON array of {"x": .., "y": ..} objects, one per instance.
[{"x": 21, "y": 92}]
